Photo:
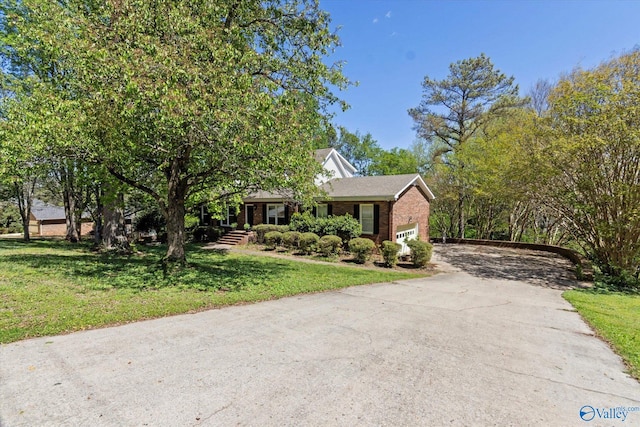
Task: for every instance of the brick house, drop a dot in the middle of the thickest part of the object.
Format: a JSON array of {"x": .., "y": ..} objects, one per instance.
[
  {"x": 50, "y": 220},
  {"x": 393, "y": 207}
]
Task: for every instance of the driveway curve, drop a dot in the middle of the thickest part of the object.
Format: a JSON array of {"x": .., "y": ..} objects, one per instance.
[{"x": 490, "y": 341}]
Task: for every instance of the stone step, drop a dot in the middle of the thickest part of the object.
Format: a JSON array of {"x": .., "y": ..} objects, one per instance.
[{"x": 233, "y": 238}]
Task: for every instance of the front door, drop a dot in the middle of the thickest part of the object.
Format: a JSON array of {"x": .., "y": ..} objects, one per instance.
[{"x": 249, "y": 215}]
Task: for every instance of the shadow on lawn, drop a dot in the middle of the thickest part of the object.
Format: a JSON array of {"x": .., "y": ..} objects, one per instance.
[{"x": 205, "y": 270}]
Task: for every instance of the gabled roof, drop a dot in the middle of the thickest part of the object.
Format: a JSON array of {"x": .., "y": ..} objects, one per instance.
[
  {"x": 329, "y": 158},
  {"x": 386, "y": 187},
  {"x": 44, "y": 211}
]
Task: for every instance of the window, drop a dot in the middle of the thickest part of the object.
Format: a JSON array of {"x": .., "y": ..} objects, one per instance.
[
  {"x": 322, "y": 211},
  {"x": 230, "y": 217},
  {"x": 367, "y": 219},
  {"x": 276, "y": 214}
]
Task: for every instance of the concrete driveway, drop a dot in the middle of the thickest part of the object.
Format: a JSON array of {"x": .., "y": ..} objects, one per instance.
[{"x": 489, "y": 342}]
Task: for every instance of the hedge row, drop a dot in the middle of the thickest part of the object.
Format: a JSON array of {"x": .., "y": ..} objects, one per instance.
[{"x": 329, "y": 245}]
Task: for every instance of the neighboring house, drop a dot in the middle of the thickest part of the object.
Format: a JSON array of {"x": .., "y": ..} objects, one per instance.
[
  {"x": 49, "y": 220},
  {"x": 393, "y": 207}
]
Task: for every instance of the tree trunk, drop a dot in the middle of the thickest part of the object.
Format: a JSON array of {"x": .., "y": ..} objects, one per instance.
[
  {"x": 175, "y": 210},
  {"x": 71, "y": 220},
  {"x": 113, "y": 231},
  {"x": 99, "y": 215},
  {"x": 24, "y": 194},
  {"x": 175, "y": 232},
  {"x": 70, "y": 216},
  {"x": 461, "y": 221}
]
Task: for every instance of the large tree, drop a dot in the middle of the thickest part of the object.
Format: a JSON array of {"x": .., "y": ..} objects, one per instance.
[
  {"x": 588, "y": 161},
  {"x": 43, "y": 115},
  {"x": 458, "y": 108},
  {"x": 188, "y": 98},
  {"x": 359, "y": 150}
]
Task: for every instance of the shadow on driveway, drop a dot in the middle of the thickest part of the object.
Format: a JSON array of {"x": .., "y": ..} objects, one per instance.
[{"x": 543, "y": 269}]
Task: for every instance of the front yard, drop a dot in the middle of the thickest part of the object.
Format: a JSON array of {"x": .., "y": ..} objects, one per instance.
[{"x": 52, "y": 287}]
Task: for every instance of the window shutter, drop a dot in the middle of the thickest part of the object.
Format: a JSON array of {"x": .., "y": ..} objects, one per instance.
[
  {"x": 286, "y": 214},
  {"x": 356, "y": 211},
  {"x": 265, "y": 220},
  {"x": 329, "y": 209},
  {"x": 376, "y": 219}
]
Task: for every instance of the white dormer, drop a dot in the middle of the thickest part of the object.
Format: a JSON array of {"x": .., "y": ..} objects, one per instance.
[{"x": 334, "y": 164}]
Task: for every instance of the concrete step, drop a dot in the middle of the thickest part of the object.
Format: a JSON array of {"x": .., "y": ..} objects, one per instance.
[{"x": 236, "y": 237}]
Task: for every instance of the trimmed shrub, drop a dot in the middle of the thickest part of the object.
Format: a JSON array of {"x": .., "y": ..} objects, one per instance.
[
  {"x": 291, "y": 239},
  {"x": 262, "y": 229},
  {"x": 303, "y": 222},
  {"x": 420, "y": 252},
  {"x": 207, "y": 234},
  {"x": 361, "y": 248},
  {"x": 273, "y": 239},
  {"x": 282, "y": 228},
  {"x": 390, "y": 252},
  {"x": 329, "y": 245},
  {"x": 346, "y": 227},
  {"x": 308, "y": 242}
]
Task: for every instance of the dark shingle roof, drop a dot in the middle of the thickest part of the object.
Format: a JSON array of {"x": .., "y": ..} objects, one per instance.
[
  {"x": 387, "y": 187},
  {"x": 43, "y": 211}
]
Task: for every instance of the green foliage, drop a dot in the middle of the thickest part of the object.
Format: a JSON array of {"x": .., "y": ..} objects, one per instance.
[
  {"x": 291, "y": 239},
  {"x": 207, "y": 233},
  {"x": 262, "y": 229},
  {"x": 272, "y": 239},
  {"x": 152, "y": 219},
  {"x": 344, "y": 226},
  {"x": 587, "y": 156},
  {"x": 176, "y": 99},
  {"x": 308, "y": 242},
  {"x": 304, "y": 222},
  {"x": 420, "y": 252},
  {"x": 361, "y": 151},
  {"x": 453, "y": 112},
  {"x": 397, "y": 161},
  {"x": 10, "y": 220},
  {"x": 623, "y": 281},
  {"x": 191, "y": 222},
  {"x": 390, "y": 252},
  {"x": 362, "y": 249},
  {"x": 329, "y": 245}
]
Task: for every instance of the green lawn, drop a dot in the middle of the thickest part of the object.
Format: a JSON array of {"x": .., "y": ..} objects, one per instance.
[
  {"x": 616, "y": 318},
  {"x": 49, "y": 287}
]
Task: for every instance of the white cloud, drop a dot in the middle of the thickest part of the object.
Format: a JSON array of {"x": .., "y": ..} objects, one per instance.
[
  {"x": 388, "y": 15},
  {"x": 375, "y": 20}
]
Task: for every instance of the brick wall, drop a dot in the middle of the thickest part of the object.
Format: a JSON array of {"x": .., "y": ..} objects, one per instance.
[
  {"x": 53, "y": 228},
  {"x": 57, "y": 228},
  {"x": 412, "y": 207}
]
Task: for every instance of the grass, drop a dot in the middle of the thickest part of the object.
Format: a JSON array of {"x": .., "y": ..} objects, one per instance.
[
  {"x": 615, "y": 317},
  {"x": 53, "y": 287}
]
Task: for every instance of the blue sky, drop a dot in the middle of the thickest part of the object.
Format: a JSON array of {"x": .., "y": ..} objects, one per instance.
[{"x": 389, "y": 46}]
